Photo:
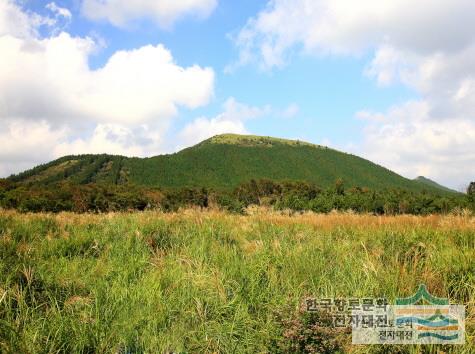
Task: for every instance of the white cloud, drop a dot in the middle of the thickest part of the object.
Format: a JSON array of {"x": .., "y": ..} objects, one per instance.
[
  {"x": 203, "y": 128},
  {"x": 428, "y": 45},
  {"x": 62, "y": 18},
  {"x": 24, "y": 144},
  {"x": 59, "y": 11},
  {"x": 435, "y": 136},
  {"x": 35, "y": 138},
  {"x": 231, "y": 120},
  {"x": 122, "y": 107},
  {"x": 50, "y": 79},
  {"x": 163, "y": 12},
  {"x": 407, "y": 139},
  {"x": 342, "y": 27},
  {"x": 113, "y": 139},
  {"x": 14, "y": 21}
]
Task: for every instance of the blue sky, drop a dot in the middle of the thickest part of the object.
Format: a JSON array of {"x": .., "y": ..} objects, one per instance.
[
  {"x": 364, "y": 79},
  {"x": 318, "y": 86},
  {"x": 328, "y": 90}
]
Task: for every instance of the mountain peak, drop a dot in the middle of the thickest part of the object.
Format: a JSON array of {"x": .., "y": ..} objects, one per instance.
[
  {"x": 428, "y": 182},
  {"x": 255, "y": 140}
]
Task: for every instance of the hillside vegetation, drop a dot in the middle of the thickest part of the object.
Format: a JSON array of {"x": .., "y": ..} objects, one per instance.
[
  {"x": 197, "y": 282},
  {"x": 229, "y": 172},
  {"x": 224, "y": 162}
]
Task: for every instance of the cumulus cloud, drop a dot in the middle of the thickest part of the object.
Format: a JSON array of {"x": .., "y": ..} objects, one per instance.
[
  {"x": 436, "y": 134},
  {"x": 163, "y": 12},
  {"x": 410, "y": 141},
  {"x": 113, "y": 138},
  {"x": 231, "y": 120},
  {"x": 24, "y": 144},
  {"x": 342, "y": 27},
  {"x": 121, "y": 107},
  {"x": 50, "y": 79},
  {"x": 427, "y": 45}
]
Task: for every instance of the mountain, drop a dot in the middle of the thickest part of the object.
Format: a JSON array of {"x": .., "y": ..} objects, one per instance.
[
  {"x": 431, "y": 183},
  {"x": 223, "y": 162}
]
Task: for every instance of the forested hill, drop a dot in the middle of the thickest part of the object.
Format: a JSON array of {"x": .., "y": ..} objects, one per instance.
[{"x": 224, "y": 162}]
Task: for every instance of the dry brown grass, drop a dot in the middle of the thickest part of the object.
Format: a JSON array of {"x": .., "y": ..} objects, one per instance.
[{"x": 319, "y": 221}]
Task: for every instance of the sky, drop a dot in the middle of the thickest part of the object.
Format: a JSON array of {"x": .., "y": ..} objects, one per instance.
[{"x": 391, "y": 81}]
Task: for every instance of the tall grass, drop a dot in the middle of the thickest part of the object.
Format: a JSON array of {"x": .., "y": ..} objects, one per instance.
[{"x": 209, "y": 282}]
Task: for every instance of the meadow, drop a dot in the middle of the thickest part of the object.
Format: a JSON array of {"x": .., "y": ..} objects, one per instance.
[{"x": 211, "y": 282}]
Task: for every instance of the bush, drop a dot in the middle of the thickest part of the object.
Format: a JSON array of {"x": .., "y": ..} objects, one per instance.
[{"x": 311, "y": 332}]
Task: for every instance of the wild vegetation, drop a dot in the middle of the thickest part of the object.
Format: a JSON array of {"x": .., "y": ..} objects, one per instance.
[
  {"x": 291, "y": 195},
  {"x": 213, "y": 282}
]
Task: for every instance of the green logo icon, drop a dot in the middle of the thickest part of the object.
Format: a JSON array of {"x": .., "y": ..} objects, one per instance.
[{"x": 422, "y": 294}]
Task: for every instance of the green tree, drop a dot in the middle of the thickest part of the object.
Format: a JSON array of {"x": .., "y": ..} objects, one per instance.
[
  {"x": 339, "y": 187},
  {"x": 471, "y": 189},
  {"x": 471, "y": 192}
]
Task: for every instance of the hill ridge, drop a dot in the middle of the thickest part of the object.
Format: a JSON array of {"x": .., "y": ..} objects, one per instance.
[{"x": 223, "y": 162}]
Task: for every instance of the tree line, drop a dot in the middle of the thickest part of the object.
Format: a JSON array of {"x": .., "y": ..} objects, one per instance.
[{"x": 295, "y": 196}]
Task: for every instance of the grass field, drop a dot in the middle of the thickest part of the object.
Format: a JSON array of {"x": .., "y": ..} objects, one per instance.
[{"x": 208, "y": 282}]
